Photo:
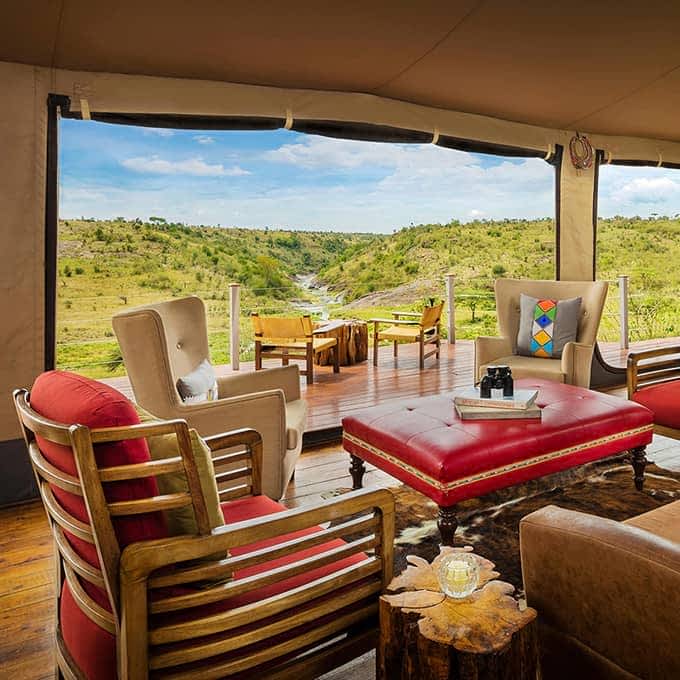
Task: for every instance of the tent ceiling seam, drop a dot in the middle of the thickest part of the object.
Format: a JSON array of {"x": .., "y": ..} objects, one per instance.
[
  {"x": 574, "y": 123},
  {"x": 431, "y": 49},
  {"x": 57, "y": 34}
]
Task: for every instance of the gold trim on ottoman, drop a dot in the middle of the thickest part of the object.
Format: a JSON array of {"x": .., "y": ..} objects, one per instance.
[{"x": 495, "y": 472}]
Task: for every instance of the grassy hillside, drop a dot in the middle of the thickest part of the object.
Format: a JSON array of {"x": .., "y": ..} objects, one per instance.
[
  {"x": 106, "y": 266},
  {"x": 477, "y": 252}
]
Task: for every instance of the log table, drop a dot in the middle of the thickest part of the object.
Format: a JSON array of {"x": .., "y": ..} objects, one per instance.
[
  {"x": 352, "y": 339},
  {"x": 426, "y": 635}
]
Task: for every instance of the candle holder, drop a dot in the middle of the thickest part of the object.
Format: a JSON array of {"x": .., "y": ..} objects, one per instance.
[{"x": 458, "y": 574}]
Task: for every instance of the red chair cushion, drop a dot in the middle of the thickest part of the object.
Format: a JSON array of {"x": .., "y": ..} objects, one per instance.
[
  {"x": 73, "y": 399},
  {"x": 663, "y": 400}
]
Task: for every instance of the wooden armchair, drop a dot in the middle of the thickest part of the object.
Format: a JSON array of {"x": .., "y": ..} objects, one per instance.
[
  {"x": 291, "y": 338},
  {"x": 653, "y": 378},
  {"x": 423, "y": 328},
  {"x": 269, "y": 594}
]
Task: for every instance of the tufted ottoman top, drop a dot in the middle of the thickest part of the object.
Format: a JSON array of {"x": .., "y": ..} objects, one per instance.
[{"x": 424, "y": 443}]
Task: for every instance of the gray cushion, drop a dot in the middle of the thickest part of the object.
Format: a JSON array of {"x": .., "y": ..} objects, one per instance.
[
  {"x": 199, "y": 385},
  {"x": 546, "y": 326}
]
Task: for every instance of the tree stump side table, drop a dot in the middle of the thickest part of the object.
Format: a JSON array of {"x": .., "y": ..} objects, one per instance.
[
  {"x": 352, "y": 339},
  {"x": 426, "y": 635}
]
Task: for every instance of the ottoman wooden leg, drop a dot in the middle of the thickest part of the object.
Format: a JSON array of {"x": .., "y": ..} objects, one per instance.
[
  {"x": 447, "y": 523},
  {"x": 638, "y": 461},
  {"x": 357, "y": 469}
]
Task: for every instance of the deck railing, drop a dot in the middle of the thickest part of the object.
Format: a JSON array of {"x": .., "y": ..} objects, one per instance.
[{"x": 86, "y": 341}]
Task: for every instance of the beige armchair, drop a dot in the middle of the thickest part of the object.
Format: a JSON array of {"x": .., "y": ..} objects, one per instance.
[
  {"x": 163, "y": 342},
  {"x": 574, "y": 366},
  {"x": 607, "y": 593}
]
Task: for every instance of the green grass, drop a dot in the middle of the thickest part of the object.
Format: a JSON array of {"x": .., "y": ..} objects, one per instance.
[{"x": 108, "y": 266}]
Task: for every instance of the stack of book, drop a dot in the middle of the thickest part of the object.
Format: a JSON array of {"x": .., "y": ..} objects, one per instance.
[{"x": 470, "y": 406}]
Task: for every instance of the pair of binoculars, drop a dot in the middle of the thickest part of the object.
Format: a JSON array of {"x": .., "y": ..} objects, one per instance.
[{"x": 497, "y": 378}]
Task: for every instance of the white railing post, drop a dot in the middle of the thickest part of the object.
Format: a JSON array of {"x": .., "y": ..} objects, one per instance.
[
  {"x": 451, "y": 307},
  {"x": 234, "y": 324},
  {"x": 623, "y": 310}
]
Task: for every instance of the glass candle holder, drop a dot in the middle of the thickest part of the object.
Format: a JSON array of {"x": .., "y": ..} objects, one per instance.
[{"x": 458, "y": 574}]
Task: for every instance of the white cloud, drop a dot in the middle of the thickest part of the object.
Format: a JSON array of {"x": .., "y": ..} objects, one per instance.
[
  {"x": 190, "y": 166},
  {"x": 474, "y": 213},
  {"x": 638, "y": 191},
  {"x": 160, "y": 132},
  {"x": 325, "y": 153},
  {"x": 204, "y": 139}
]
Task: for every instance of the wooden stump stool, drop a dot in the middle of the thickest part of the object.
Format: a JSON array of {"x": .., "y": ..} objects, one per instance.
[
  {"x": 352, "y": 339},
  {"x": 426, "y": 635}
]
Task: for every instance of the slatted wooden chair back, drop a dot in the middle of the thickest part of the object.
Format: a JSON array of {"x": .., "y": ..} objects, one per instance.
[
  {"x": 88, "y": 485},
  {"x": 431, "y": 316},
  {"x": 653, "y": 367},
  {"x": 280, "y": 330}
]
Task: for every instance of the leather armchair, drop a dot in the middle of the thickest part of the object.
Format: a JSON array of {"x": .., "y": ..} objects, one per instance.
[
  {"x": 607, "y": 593},
  {"x": 574, "y": 366},
  {"x": 163, "y": 342}
]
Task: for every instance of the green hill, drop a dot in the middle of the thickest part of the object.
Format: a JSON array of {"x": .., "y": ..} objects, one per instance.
[{"x": 106, "y": 266}]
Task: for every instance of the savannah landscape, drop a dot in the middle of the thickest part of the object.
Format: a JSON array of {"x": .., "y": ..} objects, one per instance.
[{"x": 108, "y": 265}]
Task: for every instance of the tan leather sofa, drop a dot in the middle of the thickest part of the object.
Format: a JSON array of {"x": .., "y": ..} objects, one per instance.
[
  {"x": 163, "y": 342},
  {"x": 574, "y": 366},
  {"x": 607, "y": 593}
]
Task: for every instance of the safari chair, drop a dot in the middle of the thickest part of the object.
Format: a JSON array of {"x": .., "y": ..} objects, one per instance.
[
  {"x": 291, "y": 338},
  {"x": 163, "y": 342},
  {"x": 574, "y": 366},
  {"x": 262, "y": 592},
  {"x": 423, "y": 328},
  {"x": 653, "y": 378}
]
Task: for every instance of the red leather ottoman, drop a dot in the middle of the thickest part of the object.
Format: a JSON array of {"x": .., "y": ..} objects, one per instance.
[{"x": 423, "y": 443}]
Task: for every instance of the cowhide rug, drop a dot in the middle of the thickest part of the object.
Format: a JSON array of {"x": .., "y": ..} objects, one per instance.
[{"x": 491, "y": 523}]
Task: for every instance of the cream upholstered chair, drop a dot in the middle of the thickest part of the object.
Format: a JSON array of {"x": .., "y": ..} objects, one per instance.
[
  {"x": 574, "y": 366},
  {"x": 163, "y": 342}
]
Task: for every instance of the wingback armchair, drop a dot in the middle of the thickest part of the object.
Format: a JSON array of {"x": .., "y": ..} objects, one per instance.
[
  {"x": 574, "y": 365},
  {"x": 163, "y": 342}
]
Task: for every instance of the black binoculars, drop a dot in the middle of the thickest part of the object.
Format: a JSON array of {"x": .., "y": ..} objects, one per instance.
[{"x": 496, "y": 378}]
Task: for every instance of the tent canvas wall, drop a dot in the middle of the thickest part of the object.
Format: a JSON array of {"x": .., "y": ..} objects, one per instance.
[{"x": 505, "y": 74}]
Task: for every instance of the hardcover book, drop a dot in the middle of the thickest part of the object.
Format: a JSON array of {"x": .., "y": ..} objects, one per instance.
[
  {"x": 521, "y": 399},
  {"x": 494, "y": 413}
]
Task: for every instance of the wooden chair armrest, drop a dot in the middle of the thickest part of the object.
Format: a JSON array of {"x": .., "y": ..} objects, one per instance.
[
  {"x": 395, "y": 322},
  {"x": 139, "y": 560},
  {"x": 416, "y": 315}
]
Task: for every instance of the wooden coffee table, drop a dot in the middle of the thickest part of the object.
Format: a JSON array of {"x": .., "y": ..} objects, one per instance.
[
  {"x": 424, "y": 444},
  {"x": 424, "y": 634}
]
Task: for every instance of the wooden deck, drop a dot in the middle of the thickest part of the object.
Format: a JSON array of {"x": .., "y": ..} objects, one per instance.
[
  {"x": 333, "y": 396},
  {"x": 27, "y": 568}
]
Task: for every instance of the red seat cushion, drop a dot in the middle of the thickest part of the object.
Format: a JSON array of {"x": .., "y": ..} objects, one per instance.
[
  {"x": 663, "y": 400},
  {"x": 73, "y": 399}
]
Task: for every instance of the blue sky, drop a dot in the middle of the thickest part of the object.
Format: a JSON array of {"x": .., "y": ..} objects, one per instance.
[{"x": 290, "y": 180}]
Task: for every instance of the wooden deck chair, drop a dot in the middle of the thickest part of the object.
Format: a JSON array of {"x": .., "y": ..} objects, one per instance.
[
  {"x": 264, "y": 592},
  {"x": 291, "y": 338},
  {"x": 421, "y": 328}
]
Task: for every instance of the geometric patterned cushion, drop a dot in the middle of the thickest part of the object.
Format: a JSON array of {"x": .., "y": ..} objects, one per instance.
[{"x": 546, "y": 326}]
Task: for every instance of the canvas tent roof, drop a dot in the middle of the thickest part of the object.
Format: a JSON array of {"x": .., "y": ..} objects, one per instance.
[{"x": 603, "y": 67}]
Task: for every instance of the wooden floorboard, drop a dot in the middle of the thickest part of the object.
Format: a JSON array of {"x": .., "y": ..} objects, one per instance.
[
  {"x": 333, "y": 396},
  {"x": 26, "y": 556}
]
